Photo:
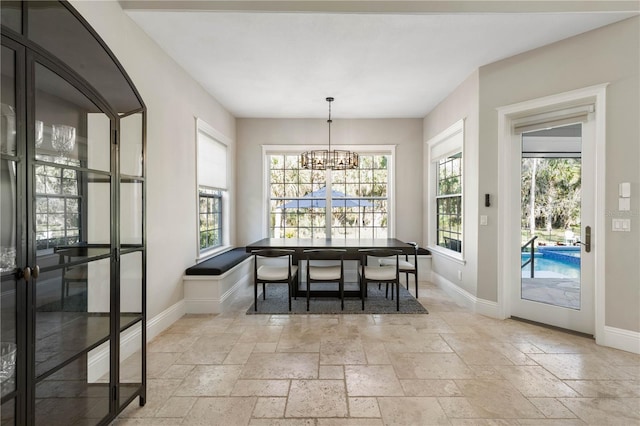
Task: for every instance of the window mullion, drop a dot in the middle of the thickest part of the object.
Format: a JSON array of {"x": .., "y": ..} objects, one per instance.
[{"x": 328, "y": 217}]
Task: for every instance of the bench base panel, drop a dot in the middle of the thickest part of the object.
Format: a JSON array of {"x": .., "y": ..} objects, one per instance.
[{"x": 206, "y": 294}]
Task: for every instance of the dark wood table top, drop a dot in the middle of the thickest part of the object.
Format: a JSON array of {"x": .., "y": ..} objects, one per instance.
[{"x": 349, "y": 244}]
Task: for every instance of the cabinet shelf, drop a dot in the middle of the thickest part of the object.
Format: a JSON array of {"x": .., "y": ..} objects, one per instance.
[{"x": 63, "y": 336}]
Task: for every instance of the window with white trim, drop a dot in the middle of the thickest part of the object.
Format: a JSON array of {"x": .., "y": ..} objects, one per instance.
[
  {"x": 446, "y": 166},
  {"x": 329, "y": 203},
  {"x": 212, "y": 190},
  {"x": 449, "y": 202}
]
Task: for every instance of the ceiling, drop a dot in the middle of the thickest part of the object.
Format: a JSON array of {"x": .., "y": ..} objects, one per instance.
[{"x": 379, "y": 59}]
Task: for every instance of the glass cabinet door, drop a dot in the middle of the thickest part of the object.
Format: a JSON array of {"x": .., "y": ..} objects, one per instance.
[
  {"x": 11, "y": 256},
  {"x": 132, "y": 335},
  {"x": 73, "y": 211}
]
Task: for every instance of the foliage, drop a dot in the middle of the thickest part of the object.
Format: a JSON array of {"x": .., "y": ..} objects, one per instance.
[
  {"x": 288, "y": 182},
  {"x": 557, "y": 184}
]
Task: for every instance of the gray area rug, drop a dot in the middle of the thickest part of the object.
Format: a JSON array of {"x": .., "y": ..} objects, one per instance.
[{"x": 375, "y": 303}]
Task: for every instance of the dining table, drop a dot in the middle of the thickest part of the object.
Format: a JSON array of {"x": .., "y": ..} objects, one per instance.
[{"x": 351, "y": 245}]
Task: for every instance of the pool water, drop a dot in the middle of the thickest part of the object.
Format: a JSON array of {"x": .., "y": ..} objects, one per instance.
[{"x": 562, "y": 269}]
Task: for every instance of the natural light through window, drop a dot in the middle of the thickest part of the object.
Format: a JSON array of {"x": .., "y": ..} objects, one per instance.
[
  {"x": 330, "y": 203},
  {"x": 445, "y": 162},
  {"x": 212, "y": 189},
  {"x": 58, "y": 204}
]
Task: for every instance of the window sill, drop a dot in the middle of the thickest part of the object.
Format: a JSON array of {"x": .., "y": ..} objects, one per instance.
[
  {"x": 447, "y": 254},
  {"x": 212, "y": 252}
]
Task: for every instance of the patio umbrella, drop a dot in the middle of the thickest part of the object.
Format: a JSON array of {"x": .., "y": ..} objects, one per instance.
[{"x": 318, "y": 199}]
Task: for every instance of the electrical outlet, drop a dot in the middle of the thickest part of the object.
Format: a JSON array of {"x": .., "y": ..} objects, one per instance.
[{"x": 459, "y": 275}]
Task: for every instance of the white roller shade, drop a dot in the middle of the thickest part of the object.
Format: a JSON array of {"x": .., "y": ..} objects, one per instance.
[
  {"x": 546, "y": 120},
  {"x": 212, "y": 162},
  {"x": 449, "y": 145}
]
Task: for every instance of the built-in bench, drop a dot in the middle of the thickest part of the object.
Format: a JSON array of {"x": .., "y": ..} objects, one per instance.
[{"x": 209, "y": 283}]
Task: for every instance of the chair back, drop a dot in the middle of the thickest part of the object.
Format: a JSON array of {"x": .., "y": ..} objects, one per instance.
[
  {"x": 272, "y": 253},
  {"x": 324, "y": 254},
  {"x": 415, "y": 253},
  {"x": 380, "y": 252}
]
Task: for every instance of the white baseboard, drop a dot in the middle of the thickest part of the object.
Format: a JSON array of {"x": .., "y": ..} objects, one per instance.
[
  {"x": 612, "y": 337},
  {"x": 619, "y": 338},
  {"x": 464, "y": 298},
  {"x": 130, "y": 342},
  {"x": 98, "y": 364},
  {"x": 165, "y": 319}
]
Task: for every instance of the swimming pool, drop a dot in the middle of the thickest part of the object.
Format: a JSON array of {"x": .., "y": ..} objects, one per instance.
[{"x": 561, "y": 262}]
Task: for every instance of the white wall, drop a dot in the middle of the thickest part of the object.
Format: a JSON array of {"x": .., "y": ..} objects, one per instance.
[
  {"x": 405, "y": 133},
  {"x": 173, "y": 100},
  {"x": 462, "y": 103},
  {"x": 607, "y": 55}
]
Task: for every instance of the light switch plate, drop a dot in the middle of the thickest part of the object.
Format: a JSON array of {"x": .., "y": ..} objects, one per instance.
[
  {"x": 483, "y": 219},
  {"x": 624, "y": 204},
  {"x": 625, "y": 189},
  {"x": 621, "y": 225}
]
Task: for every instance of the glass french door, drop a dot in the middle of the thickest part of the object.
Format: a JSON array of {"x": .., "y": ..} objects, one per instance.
[
  {"x": 12, "y": 255},
  {"x": 72, "y": 202},
  {"x": 557, "y": 214}
]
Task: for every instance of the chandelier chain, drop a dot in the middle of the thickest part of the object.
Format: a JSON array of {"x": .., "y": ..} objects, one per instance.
[{"x": 323, "y": 159}]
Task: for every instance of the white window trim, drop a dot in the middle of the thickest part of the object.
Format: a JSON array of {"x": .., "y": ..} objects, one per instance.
[
  {"x": 440, "y": 146},
  {"x": 203, "y": 126},
  {"x": 364, "y": 149}
]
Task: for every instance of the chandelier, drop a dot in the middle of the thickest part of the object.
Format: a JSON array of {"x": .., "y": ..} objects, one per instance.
[{"x": 322, "y": 159}]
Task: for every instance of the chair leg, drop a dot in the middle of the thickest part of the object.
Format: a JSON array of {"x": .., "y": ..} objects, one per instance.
[
  {"x": 308, "y": 293},
  {"x": 416, "y": 278},
  {"x": 264, "y": 291},
  {"x": 362, "y": 284},
  {"x": 62, "y": 298},
  {"x": 397, "y": 295},
  {"x": 289, "y": 285},
  {"x": 341, "y": 284},
  {"x": 255, "y": 296}
]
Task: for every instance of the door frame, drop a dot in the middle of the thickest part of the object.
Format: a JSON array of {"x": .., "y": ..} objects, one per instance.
[{"x": 509, "y": 208}]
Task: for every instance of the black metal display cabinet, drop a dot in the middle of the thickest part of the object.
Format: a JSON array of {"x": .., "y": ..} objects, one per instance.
[{"x": 72, "y": 222}]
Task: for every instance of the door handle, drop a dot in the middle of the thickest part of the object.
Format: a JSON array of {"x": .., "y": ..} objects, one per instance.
[
  {"x": 28, "y": 273},
  {"x": 587, "y": 239}
]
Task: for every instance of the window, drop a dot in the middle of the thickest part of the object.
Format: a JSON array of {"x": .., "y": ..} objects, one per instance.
[
  {"x": 210, "y": 218},
  {"x": 449, "y": 202},
  {"x": 332, "y": 203},
  {"x": 212, "y": 189},
  {"x": 445, "y": 207},
  {"x": 58, "y": 205}
]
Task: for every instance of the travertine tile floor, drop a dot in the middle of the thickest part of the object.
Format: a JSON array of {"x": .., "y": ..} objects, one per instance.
[{"x": 449, "y": 367}]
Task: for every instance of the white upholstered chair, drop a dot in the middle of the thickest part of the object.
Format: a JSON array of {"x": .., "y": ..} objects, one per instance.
[{"x": 272, "y": 273}]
